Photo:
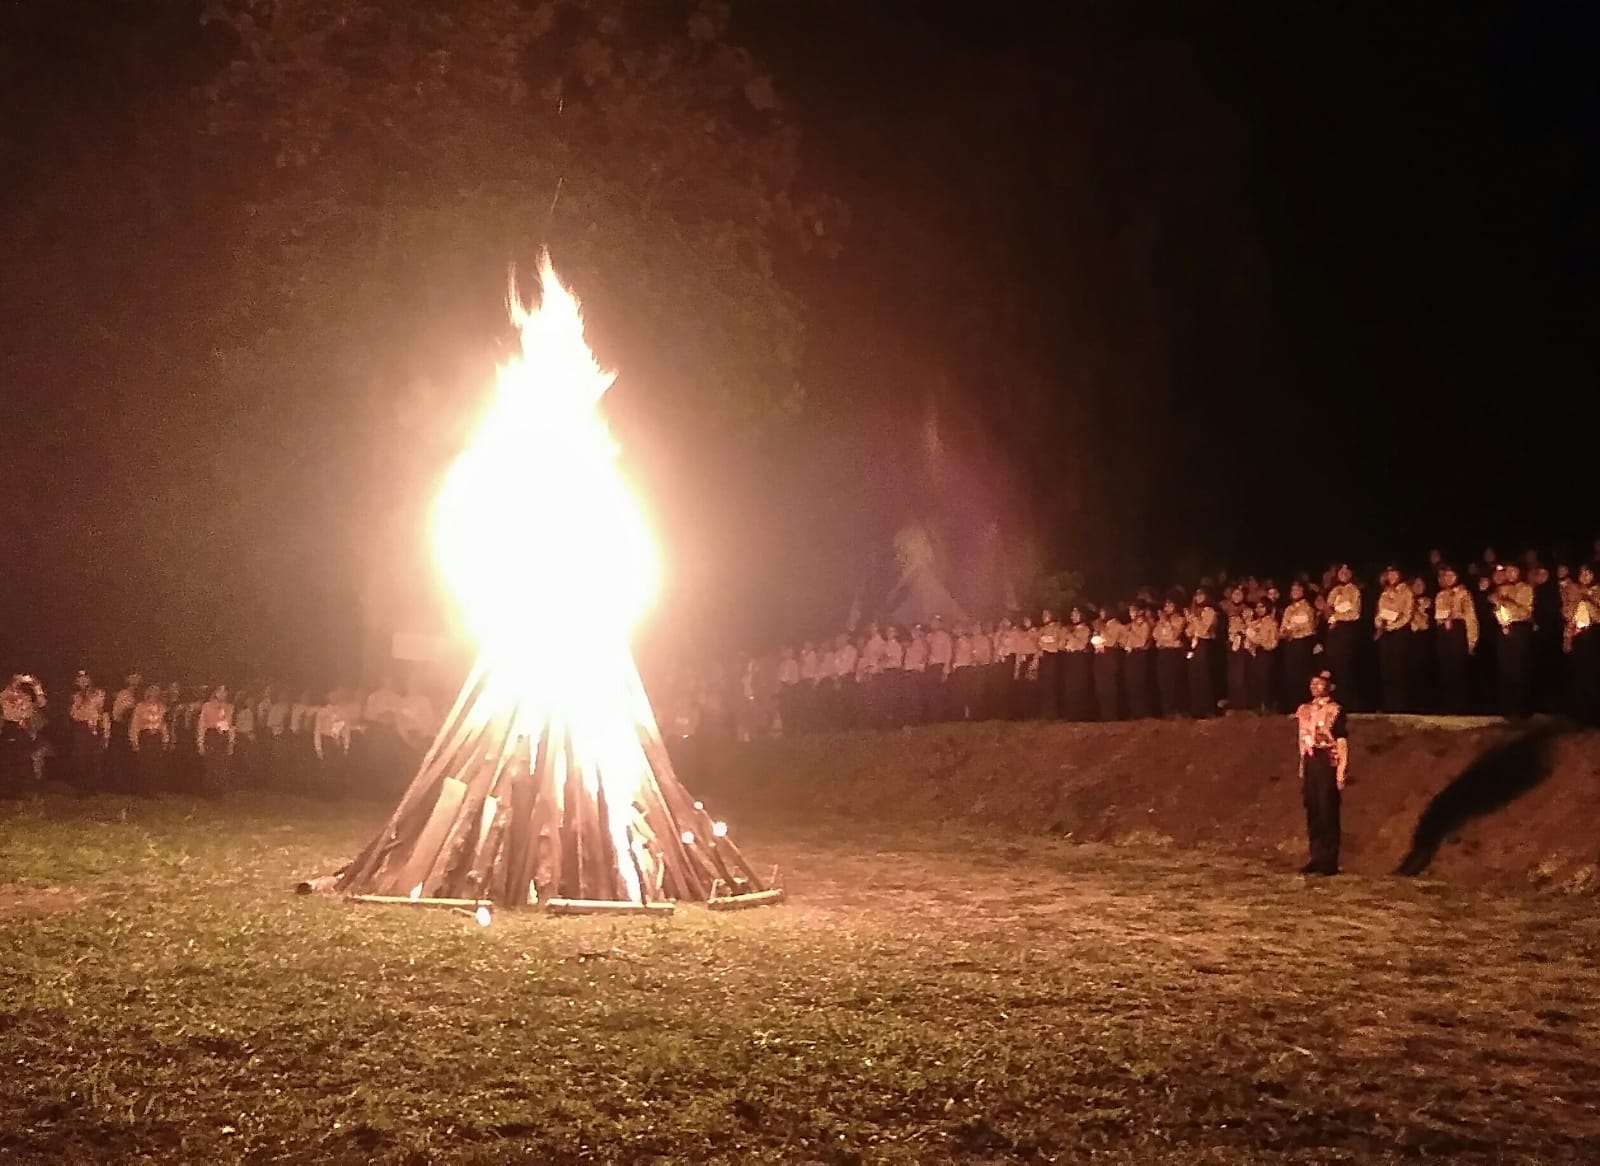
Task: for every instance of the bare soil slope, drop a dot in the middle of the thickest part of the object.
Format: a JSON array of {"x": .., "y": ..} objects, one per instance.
[{"x": 1475, "y": 803}]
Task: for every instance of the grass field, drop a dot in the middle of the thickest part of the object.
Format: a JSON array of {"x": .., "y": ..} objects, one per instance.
[{"x": 924, "y": 998}]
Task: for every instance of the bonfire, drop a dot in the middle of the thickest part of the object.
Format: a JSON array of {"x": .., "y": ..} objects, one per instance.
[{"x": 548, "y": 783}]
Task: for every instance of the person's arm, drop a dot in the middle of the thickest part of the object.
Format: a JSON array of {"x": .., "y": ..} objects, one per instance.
[
  {"x": 200, "y": 731},
  {"x": 1341, "y": 754},
  {"x": 133, "y": 729},
  {"x": 1469, "y": 616}
]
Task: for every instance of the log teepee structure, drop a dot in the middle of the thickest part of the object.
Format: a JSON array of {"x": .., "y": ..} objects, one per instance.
[{"x": 548, "y": 783}]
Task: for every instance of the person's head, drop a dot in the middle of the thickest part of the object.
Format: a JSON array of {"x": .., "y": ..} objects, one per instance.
[
  {"x": 1563, "y": 572},
  {"x": 1321, "y": 684},
  {"x": 1027, "y": 622},
  {"x": 1201, "y": 597},
  {"x": 1419, "y": 586},
  {"x": 1540, "y": 575},
  {"x": 1263, "y": 608},
  {"x": 1169, "y": 606},
  {"x": 1435, "y": 557},
  {"x": 1489, "y": 555},
  {"x": 1391, "y": 575},
  {"x": 220, "y": 692},
  {"x": 81, "y": 682},
  {"x": 135, "y": 680},
  {"x": 1513, "y": 573},
  {"x": 1075, "y": 616},
  {"x": 153, "y": 693},
  {"x": 893, "y": 633},
  {"x": 1586, "y": 575},
  {"x": 1447, "y": 575},
  {"x": 937, "y": 622},
  {"x": 1236, "y": 596},
  {"x": 1499, "y": 575},
  {"x": 1344, "y": 574},
  {"x": 1047, "y": 616},
  {"x": 1005, "y": 623},
  {"x": 1297, "y": 590},
  {"x": 1106, "y": 613}
]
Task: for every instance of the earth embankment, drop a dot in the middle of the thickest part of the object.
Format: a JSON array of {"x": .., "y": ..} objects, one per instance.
[{"x": 1464, "y": 801}]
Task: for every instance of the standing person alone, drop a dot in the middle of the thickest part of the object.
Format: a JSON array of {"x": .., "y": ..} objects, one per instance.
[{"x": 1324, "y": 752}]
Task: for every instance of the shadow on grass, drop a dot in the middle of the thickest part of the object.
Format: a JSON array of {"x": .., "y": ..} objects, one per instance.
[{"x": 1495, "y": 779}]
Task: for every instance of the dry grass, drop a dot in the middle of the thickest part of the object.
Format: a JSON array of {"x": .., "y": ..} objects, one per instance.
[{"x": 927, "y": 997}]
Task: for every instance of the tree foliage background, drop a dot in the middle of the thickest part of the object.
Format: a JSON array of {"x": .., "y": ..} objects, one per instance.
[{"x": 272, "y": 238}]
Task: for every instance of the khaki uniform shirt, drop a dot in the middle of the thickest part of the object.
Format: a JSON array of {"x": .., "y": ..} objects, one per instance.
[
  {"x": 1200, "y": 624},
  {"x": 1344, "y": 603},
  {"x": 1261, "y": 633},
  {"x": 1299, "y": 620},
  {"x": 1453, "y": 605},
  {"x": 1394, "y": 609},
  {"x": 1136, "y": 635},
  {"x": 1168, "y": 630},
  {"x": 1513, "y": 603}
]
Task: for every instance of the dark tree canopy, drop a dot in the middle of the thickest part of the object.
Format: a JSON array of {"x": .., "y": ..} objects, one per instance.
[{"x": 252, "y": 218}]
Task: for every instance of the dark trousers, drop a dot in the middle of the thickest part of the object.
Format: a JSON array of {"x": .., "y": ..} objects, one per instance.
[
  {"x": 1320, "y": 790},
  {"x": 935, "y": 695},
  {"x": 1050, "y": 685},
  {"x": 1584, "y": 685},
  {"x": 149, "y": 765},
  {"x": 1107, "y": 667},
  {"x": 1419, "y": 671},
  {"x": 1169, "y": 679},
  {"x": 1238, "y": 679},
  {"x": 1513, "y": 659},
  {"x": 1394, "y": 668},
  {"x": 1138, "y": 683},
  {"x": 1263, "y": 680},
  {"x": 16, "y": 759},
  {"x": 1298, "y": 658},
  {"x": 1078, "y": 679},
  {"x": 1024, "y": 696},
  {"x": 1202, "y": 679},
  {"x": 1450, "y": 650},
  {"x": 1342, "y": 646},
  {"x": 88, "y": 757},
  {"x": 215, "y": 763}
]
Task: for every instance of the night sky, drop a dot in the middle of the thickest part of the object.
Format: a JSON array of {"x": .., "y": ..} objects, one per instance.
[{"x": 1173, "y": 284}]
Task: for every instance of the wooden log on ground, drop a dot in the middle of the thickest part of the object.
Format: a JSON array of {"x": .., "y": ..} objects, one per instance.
[
  {"x": 749, "y": 899},
  {"x": 605, "y": 907},
  {"x": 419, "y": 901}
]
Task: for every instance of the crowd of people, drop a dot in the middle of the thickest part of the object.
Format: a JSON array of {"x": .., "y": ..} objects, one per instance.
[
  {"x": 1507, "y": 638},
  {"x": 148, "y": 739}
]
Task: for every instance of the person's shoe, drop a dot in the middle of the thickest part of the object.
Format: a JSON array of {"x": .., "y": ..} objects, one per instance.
[{"x": 1309, "y": 868}]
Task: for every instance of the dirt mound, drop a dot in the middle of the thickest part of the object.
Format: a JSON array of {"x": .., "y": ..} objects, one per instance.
[{"x": 1467, "y": 801}]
